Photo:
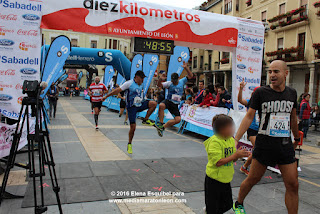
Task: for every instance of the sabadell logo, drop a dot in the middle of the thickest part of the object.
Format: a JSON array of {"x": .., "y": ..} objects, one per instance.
[
  {"x": 6, "y": 42},
  {"x": 31, "y": 17},
  {"x": 5, "y": 97},
  {"x": 28, "y": 71}
]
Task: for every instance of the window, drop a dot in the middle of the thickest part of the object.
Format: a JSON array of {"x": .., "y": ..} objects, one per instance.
[
  {"x": 94, "y": 44},
  {"x": 74, "y": 43},
  {"x": 201, "y": 61},
  {"x": 301, "y": 43},
  {"x": 280, "y": 43},
  {"x": 264, "y": 16},
  {"x": 249, "y": 3},
  {"x": 195, "y": 62},
  {"x": 125, "y": 50},
  {"x": 304, "y": 3},
  {"x": 210, "y": 62},
  {"x": 115, "y": 44},
  {"x": 106, "y": 44},
  {"x": 110, "y": 44},
  {"x": 52, "y": 38},
  {"x": 225, "y": 55},
  {"x": 227, "y": 6},
  {"x": 282, "y": 8}
]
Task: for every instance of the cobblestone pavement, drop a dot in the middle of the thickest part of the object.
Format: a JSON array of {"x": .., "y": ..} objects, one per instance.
[{"x": 74, "y": 140}]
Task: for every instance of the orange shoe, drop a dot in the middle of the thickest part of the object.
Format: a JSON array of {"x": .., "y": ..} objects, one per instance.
[{"x": 244, "y": 170}]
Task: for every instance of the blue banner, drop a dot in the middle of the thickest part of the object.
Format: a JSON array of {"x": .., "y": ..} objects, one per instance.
[
  {"x": 136, "y": 65},
  {"x": 94, "y": 56},
  {"x": 61, "y": 72},
  {"x": 150, "y": 64},
  {"x": 108, "y": 74},
  {"x": 120, "y": 79},
  {"x": 57, "y": 54},
  {"x": 62, "y": 78},
  {"x": 43, "y": 58}
]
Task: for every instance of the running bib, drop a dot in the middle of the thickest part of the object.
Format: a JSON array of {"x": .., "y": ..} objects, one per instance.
[
  {"x": 96, "y": 93},
  {"x": 279, "y": 125},
  {"x": 137, "y": 101},
  {"x": 176, "y": 97}
]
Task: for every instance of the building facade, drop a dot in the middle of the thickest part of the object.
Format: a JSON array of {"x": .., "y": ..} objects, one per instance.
[
  {"x": 292, "y": 34},
  {"x": 90, "y": 41}
]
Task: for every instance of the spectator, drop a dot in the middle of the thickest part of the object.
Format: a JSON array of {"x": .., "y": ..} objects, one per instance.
[
  {"x": 199, "y": 96},
  {"x": 216, "y": 100},
  {"x": 53, "y": 94},
  {"x": 216, "y": 87},
  {"x": 225, "y": 98},
  {"x": 207, "y": 99},
  {"x": 188, "y": 93},
  {"x": 304, "y": 115},
  {"x": 315, "y": 116},
  {"x": 189, "y": 101}
]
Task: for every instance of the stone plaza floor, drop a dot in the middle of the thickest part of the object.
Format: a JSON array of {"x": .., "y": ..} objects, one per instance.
[{"x": 95, "y": 171}]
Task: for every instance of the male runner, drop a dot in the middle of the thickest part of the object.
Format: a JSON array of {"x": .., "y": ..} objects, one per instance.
[
  {"x": 252, "y": 132},
  {"x": 277, "y": 106},
  {"x": 135, "y": 103},
  {"x": 175, "y": 91},
  {"x": 96, "y": 92}
]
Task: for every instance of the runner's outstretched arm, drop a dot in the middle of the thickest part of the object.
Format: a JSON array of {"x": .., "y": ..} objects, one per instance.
[
  {"x": 185, "y": 66},
  {"x": 245, "y": 124},
  {"x": 240, "y": 100},
  {"x": 114, "y": 92},
  {"x": 294, "y": 126}
]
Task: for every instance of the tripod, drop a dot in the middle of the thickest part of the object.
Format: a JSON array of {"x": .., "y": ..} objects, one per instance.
[{"x": 43, "y": 150}]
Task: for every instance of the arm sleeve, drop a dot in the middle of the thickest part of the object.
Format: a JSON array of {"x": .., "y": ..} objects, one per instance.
[
  {"x": 166, "y": 84},
  {"x": 126, "y": 85},
  {"x": 214, "y": 152},
  {"x": 216, "y": 101},
  {"x": 255, "y": 100}
]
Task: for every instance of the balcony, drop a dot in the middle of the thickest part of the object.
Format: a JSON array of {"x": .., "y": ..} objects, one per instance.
[
  {"x": 316, "y": 46},
  {"x": 317, "y": 5},
  {"x": 291, "y": 19},
  {"x": 292, "y": 54}
]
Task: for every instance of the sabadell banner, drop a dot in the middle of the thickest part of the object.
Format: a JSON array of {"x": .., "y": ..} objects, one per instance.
[{"x": 20, "y": 42}]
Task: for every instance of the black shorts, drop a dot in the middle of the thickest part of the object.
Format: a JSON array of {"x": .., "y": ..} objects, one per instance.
[
  {"x": 218, "y": 196},
  {"x": 122, "y": 103},
  {"x": 97, "y": 105},
  {"x": 251, "y": 133},
  {"x": 271, "y": 151},
  {"x": 173, "y": 108}
]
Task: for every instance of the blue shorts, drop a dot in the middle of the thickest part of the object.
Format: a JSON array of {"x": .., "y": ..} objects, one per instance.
[{"x": 133, "y": 110}]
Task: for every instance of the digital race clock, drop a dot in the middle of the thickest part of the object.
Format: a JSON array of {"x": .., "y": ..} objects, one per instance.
[{"x": 158, "y": 46}]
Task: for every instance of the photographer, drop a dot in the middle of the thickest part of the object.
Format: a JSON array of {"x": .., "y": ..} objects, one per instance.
[{"x": 53, "y": 94}]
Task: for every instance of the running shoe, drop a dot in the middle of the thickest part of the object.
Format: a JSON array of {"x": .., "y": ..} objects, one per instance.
[
  {"x": 97, "y": 128},
  {"x": 244, "y": 170},
  {"x": 160, "y": 128},
  {"x": 239, "y": 209},
  {"x": 91, "y": 112},
  {"x": 125, "y": 123},
  {"x": 147, "y": 123},
  {"x": 129, "y": 148},
  {"x": 120, "y": 115}
]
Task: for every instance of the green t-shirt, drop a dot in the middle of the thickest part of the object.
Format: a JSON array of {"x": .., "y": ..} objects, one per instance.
[{"x": 218, "y": 148}]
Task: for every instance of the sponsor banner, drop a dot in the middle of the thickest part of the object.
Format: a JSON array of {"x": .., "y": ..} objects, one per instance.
[
  {"x": 180, "y": 54},
  {"x": 6, "y": 136},
  {"x": 141, "y": 19},
  {"x": 120, "y": 79},
  {"x": 57, "y": 54},
  {"x": 80, "y": 76},
  {"x": 108, "y": 75},
  {"x": 150, "y": 64},
  {"x": 136, "y": 65},
  {"x": 237, "y": 117},
  {"x": 248, "y": 61},
  {"x": 202, "y": 117},
  {"x": 19, "y": 51},
  {"x": 57, "y": 77},
  {"x": 62, "y": 78}
]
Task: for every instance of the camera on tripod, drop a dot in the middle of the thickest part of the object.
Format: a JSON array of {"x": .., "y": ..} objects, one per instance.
[{"x": 31, "y": 88}]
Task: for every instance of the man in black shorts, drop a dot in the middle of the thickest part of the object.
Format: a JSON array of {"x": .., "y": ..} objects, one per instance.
[
  {"x": 175, "y": 91},
  {"x": 277, "y": 106}
]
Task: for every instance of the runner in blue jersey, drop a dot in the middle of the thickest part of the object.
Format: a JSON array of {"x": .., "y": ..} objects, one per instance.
[
  {"x": 252, "y": 132},
  {"x": 135, "y": 102},
  {"x": 175, "y": 91}
]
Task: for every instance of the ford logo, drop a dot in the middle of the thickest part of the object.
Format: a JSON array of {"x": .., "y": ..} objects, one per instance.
[
  {"x": 5, "y": 97},
  {"x": 28, "y": 71},
  {"x": 256, "y": 48},
  {"x": 30, "y": 17},
  {"x": 241, "y": 107},
  {"x": 252, "y": 88},
  {"x": 241, "y": 66},
  {"x": 6, "y": 42}
]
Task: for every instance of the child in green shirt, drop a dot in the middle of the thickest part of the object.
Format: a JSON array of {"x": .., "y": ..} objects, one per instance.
[{"x": 222, "y": 153}]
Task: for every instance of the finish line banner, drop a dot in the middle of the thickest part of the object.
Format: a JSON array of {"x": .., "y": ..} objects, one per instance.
[{"x": 20, "y": 45}]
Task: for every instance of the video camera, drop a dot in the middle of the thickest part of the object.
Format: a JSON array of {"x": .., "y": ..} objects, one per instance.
[{"x": 31, "y": 88}]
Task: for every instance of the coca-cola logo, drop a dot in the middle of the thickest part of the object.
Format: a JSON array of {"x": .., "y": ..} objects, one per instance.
[
  {"x": 31, "y": 17},
  {"x": 244, "y": 48},
  {"x": 8, "y": 72},
  {"x": 8, "y": 17},
  {"x": 19, "y": 86},
  {"x": 27, "y": 32}
]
